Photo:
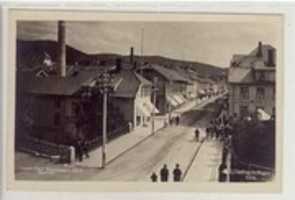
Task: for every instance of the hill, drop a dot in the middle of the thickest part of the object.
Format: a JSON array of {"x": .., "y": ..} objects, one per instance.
[{"x": 32, "y": 53}]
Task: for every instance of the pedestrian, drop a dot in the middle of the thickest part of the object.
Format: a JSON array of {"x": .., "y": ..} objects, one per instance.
[
  {"x": 154, "y": 177},
  {"x": 177, "y": 173},
  {"x": 78, "y": 147},
  {"x": 164, "y": 173},
  {"x": 177, "y": 120},
  {"x": 208, "y": 132},
  {"x": 197, "y": 134},
  {"x": 85, "y": 150}
]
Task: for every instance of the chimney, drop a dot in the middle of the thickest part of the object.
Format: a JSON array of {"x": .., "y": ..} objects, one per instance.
[
  {"x": 118, "y": 64},
  {"x": 271, "y": 57},
  {"x": 131, "y": 55},
  {"x": 259, "y": 50},
  {"x": 61, "y": 48}
]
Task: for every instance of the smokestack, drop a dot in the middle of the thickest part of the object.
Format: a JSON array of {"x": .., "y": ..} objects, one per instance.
[
  {"x": 271, "y": 58},
  {"x": 61, "y": 48},
  {"x": 259, "y": 50},
  {"x": 131, "y": 55}
]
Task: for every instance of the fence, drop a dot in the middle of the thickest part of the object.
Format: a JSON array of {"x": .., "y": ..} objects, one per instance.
[
  {"x": 58, "y": 152},
  {"x": 61, "y": 153},
  {"x": 96, "y": 142}
]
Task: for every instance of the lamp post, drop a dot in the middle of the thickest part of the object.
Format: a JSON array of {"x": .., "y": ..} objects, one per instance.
[
  {"x": 154, "y": 92},
  {"x": 103, "y": 83}
]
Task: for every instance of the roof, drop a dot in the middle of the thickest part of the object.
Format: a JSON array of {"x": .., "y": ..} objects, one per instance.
[
  {"x": 243, "y": 65},
  {"x": 239, "y": 75},
  {"x": 142, "y": 80},
  {"x": 129, "y": 84},
  {"x": 55, "y": 85},
  {"x": 252, "y": 60},
  {"x": 168, "y": 74}
]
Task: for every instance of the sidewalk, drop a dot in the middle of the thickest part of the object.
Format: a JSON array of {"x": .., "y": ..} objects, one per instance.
[
  {"x": 196, "y": 102},
  {"x": 205, "y": 166},
  {"x": 120, "y": 145}
]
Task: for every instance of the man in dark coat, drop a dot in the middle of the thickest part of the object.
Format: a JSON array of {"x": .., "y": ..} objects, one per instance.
[
  {"x": 154, "y": 177},
  {"x": 164, "y": 173},
  {"x": 177, "y": 173},
  {"x": 197, "y": 134},
  {"x": 79, "y": 151}
]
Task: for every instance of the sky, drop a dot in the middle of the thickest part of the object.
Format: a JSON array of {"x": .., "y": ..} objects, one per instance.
[{"x": 207, "y": 42}]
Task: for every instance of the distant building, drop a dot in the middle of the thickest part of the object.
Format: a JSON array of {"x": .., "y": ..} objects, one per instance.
[
  {"x": 171, "y": 87},
  {"x": 251, "y": 80},
  {"x": 133, "y": 98}
]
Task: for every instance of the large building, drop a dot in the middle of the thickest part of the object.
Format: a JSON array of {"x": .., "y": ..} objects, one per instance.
[
  {"x": 251, "y": 80},
  {"x": 170, "y": 86}
]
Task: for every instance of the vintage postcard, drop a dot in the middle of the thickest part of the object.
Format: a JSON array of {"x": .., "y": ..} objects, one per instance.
[{"x": 104, "y": 101}]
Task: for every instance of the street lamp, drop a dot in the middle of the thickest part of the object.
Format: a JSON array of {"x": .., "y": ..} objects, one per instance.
[
  {"x": 154, "y": 92},
  {"x": 103, "y": 83}
]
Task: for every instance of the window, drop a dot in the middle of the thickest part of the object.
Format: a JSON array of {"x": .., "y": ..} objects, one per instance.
[
  {"x": 244, "y": 93},
  {"x": 262, "y": 76},
  {"x": 244, "y": 111},
  {"x": 56, "y": 119},
  {"x": 57, "y": 103},
  {"x": 260, "y": 93},
  {"x": 75, "y": 109}
]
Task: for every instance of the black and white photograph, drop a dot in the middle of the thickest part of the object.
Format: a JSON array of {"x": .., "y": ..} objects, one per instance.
[{"x": 147, "y": 101}]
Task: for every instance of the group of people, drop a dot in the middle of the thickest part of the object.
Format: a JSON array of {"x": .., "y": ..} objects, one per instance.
[
  {"x": 174, "y": 120},
  {"x": 164, "y": 174},
  {"x": 81, "y": 149},
  {"x": 218, "y": 129}
]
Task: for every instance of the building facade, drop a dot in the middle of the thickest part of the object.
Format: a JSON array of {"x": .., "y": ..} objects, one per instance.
[{"x": 251, "y": 81}]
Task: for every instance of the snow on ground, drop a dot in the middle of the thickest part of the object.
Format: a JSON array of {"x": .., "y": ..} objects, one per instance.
[{"x": 205, "y": 166}]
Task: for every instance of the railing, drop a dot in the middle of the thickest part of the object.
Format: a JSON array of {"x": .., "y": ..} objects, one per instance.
[
  {"x": 45, "y": 149},
  {"x": 96, "y": 142}
]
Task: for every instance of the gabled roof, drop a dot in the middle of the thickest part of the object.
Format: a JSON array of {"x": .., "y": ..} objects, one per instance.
[
  {"x": 252, "y": 60},
  {"x": 129, "y": 85},
  {"x": 240, "y": 75},
  {"x": 168, "y": 74}
]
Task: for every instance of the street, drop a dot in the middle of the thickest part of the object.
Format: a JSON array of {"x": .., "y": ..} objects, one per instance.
[{"x": 171, "y": 145}]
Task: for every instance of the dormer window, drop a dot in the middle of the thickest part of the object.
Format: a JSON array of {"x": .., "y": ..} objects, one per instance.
[{"x": 260, "y": 76}]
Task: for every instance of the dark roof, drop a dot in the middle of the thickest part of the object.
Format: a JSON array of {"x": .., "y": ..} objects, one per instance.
[
  {"x": 168, "y": 74},
  {"x": 55, "y": 85},
  {"x": 129, "y": 84}
]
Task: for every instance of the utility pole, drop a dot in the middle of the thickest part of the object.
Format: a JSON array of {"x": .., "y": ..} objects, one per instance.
[
  {"x": 104, "y": 131},
  {"x": 104, "y": 84},
  {"x": 228, "y": 160},
  {"x": 154, "y": 91}
]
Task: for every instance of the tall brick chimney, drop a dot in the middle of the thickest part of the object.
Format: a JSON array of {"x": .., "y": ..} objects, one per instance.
[
  {"x": 61, "y": 38},
  {"x": 259, "y": 50}
]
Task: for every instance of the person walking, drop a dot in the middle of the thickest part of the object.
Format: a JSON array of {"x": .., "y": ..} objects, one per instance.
[
  {"x": 197, "y": 134},
  {"x": 78, "y": 148},
  {"x": 164, "y": 173},
  {"x": 85, "y": 150},
  {"x": 177, "y": 120},
  {"x": 177, "y": 173},
  {"x": 154, "y": 177}
]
